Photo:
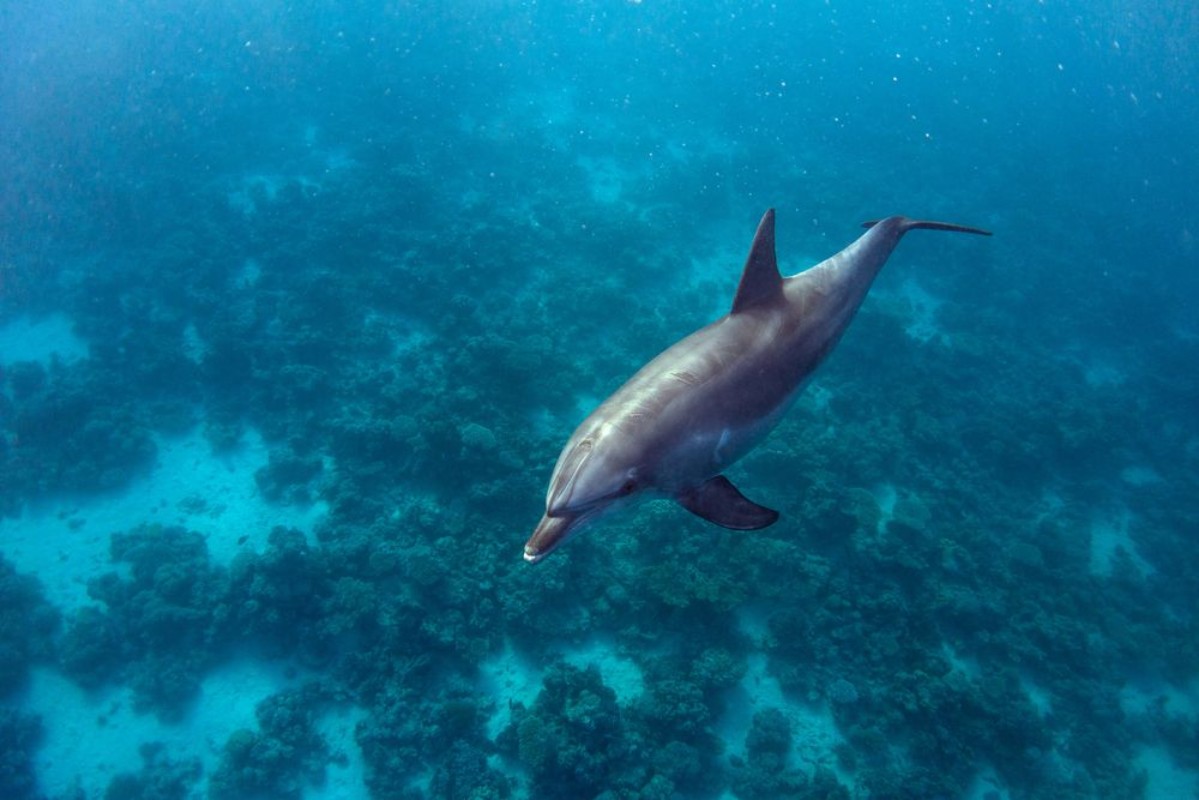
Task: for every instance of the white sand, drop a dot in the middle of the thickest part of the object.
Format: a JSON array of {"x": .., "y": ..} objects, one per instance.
[
  {"x": 65, "y": 542},
  {"x": 93, "y": 736},
  {"x": 966, "y": 665},
  {"x": 886, "y": 496},
  {"x": 986, "y": 786},
  {"x": 342, "y": 782},
  {"x": 620, "y": 674},
  {"x": 507, "y": 678},
  {"x": 1040, "y": 698},
  {"x": 40, "y": 339},
  {"x": 1167, "y": 781},
  {"x": 814, "y": 733},
  {"x": 90, "y": 737},
  {"x": 1110, "y": 534},
  {"x": 1141, "y": 696},
  {"x": 922, "y": 309}
]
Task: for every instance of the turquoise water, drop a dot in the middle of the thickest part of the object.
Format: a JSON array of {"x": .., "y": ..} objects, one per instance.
[{"x": 298, "y": 304}]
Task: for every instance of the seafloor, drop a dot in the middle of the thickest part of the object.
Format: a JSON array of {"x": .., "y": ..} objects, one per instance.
[{"x": 284, "y": 369}]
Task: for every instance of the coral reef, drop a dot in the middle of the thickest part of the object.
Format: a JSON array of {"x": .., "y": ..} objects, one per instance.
[
  {"x": 160, "y": 778},
  {"x": 412, "y": 325},
  {"x": 28, "y": 624},
  {"x": 573, "y": 741},
  {"x": 20, "y": 735},
  {"x": 279, "y": 759},
  {"x": 156, "y": 629}
]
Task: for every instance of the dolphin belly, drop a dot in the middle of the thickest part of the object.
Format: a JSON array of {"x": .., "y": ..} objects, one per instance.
[{"x": 703, "y": 453}]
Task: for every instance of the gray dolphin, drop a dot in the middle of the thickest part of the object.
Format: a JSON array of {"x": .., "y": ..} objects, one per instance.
[{"x": 696, "y": 408}]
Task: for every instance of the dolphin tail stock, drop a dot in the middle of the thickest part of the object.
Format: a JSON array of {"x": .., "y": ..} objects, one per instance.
[{"x": 906, "y": 225}]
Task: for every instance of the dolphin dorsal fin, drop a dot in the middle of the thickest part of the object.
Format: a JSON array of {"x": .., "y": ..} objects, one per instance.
[{"x": 761, "y": 284}]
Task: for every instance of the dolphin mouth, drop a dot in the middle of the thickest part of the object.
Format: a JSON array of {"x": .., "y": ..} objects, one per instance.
[
  {"x": 551, "y": 532},
  {"x": 533, "y": 556}
]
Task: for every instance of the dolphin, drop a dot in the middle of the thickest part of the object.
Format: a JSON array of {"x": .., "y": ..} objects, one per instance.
[{"x": 685, "y": 417}]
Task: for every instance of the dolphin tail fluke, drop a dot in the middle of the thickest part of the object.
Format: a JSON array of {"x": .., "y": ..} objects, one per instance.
[{"x": 906, "y": 225}]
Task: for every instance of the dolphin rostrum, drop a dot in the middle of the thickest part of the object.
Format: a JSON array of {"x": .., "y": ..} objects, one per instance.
[{"x": 696, "y": 408}]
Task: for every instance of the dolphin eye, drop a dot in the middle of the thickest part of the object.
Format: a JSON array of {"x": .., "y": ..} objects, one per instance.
[{"x": 627, "y": 488}]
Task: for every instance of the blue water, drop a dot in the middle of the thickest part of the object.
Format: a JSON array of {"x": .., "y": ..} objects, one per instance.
[{"x": 299, "y": 302}]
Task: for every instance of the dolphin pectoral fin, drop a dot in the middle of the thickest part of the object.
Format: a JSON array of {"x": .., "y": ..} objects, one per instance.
[{"x": 718, "y": 500}]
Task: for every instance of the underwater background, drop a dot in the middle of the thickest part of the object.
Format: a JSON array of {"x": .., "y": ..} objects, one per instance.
[{"x": 299, "y": 301}]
